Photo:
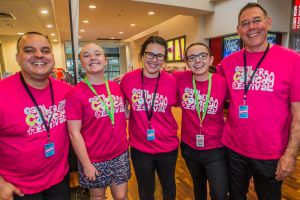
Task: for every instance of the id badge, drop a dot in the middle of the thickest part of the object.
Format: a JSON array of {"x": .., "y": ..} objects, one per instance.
[
  {"x": 49, "y": 149},
  {"x": 200, "y": 140},
  {"x": 150, "y": 134},
  {"x": 243, "y": 112}
]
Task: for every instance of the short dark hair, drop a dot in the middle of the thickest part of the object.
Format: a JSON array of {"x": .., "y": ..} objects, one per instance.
[
  {"x": 31, "y": 33},
  {"x": 252, "y": 5},
  {"x": 195, "y": 44},
  {"x": 155, "y": 40}
]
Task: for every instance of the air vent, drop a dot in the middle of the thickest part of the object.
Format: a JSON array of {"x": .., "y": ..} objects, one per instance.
[{"x": 4, "y": 15}]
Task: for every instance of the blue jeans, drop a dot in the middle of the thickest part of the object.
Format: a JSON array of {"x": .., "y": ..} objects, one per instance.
[
  {"x": 60, "y": 191},
  {"x": 242, "y": 168},
  {"x": 208, "y": 165},
  {"x": 145, "y": 166}
]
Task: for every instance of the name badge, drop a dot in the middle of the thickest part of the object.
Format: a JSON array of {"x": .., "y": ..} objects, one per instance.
[
  {"x": 243, "y": 112},
  {"x": 199, "y": 140},
  {"x": 150, "y": 134},
  {"x": 49, "y": 149}
]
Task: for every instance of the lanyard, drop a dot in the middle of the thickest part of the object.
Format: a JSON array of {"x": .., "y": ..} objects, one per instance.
[
  {"x": 247, "y": 86},
  {"x": 149, "y": 113},
  {"x": 110, "y": 112},
  {"x": 206, "y": 100},
  {"x": 46, "y": 124}
]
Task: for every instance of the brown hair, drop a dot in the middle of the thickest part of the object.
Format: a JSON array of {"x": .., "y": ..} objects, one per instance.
[{"x": 155, "y": 40}]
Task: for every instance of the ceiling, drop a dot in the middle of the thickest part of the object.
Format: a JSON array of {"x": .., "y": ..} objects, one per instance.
[{"x": 105, "y": 21}]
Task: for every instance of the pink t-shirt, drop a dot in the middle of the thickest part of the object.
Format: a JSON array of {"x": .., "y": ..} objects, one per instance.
[
  {"x": 264, "y": 135},
  {"x": 103, "y": 141},
  {"x": 23, "y": 135},
  {"x": 162, "y": 120},
  {"x": 213, "y": 124}
]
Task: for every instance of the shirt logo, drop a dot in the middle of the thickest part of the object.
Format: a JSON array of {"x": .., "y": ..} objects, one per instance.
[
  {"x": 99, "y": 108},
  {"x": 263, "y": 79},
  {"x": 35, "y": 122},
  {"x": 160, "y": 103},
  {"x": 188, "y": 101}
]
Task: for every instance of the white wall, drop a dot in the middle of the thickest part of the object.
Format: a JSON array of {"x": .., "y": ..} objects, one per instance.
[{"x": 177, "y": 26}]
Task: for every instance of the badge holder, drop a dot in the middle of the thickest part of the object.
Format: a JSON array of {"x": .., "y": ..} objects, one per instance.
[
  {"x": 200, "y": 139},
  {"x": 49, "y": 149},
  {"x": 150, "y": 132},
  {"x": 243, "y": 111}
]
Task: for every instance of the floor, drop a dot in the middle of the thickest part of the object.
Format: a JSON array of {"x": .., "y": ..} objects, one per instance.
[{"x": 290, "y": 189}]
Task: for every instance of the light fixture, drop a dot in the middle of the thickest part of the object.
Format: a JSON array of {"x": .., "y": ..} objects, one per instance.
[
  {"x": 112, "y": 38},
  {"x": 85, "y": 21},
  {"x": 151, "y": 13},
  {"x": 55, "y": 40},
  {"x": 52, "y": 34},
  {"x": 49, "y": 26},
  {"x": 20, "y": 33},
  {"x": 82, "y": 30},
  {"x": 132, "y": 25},
  {"x": 79, "y": 37},
  {"x": 121, "y": 32},
  {"x": 44, "y": 11},
  {"x": 92, "y": 6}
]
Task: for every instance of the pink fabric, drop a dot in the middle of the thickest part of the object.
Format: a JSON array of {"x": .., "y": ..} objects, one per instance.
[
  {"x": 103, "y": 142},
  {"x": 264, "y": 135},
  {"x": 23, "y": 136},
  {"x": 163, "y": 122},
  {"x": 213, "y": 124}
]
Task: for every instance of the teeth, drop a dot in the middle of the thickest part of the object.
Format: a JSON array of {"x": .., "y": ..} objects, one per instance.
[{"x": 38, "y": 63}]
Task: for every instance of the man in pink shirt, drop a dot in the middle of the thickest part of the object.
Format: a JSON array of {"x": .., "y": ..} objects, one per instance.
[
  {"x": 263, "y": 127},
  {"x": 34, "y": 141}
]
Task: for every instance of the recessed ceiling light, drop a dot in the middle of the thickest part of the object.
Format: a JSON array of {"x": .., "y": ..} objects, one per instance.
[
  {"x": 44, "y": 11},
  {"x": 132, "y": 25},
  {"x": 82, "y": 30},
  {"x": 112, "y": 38},
  {"x": 151, "y": 13},
  {"x": 85, "y": 21},
  {"x": 52, "y": 34},
  {"x": 49, "y": 26},
  {"x": 92, "y": 6},
  {"x": 79, "y": 37},
  {"x": 121, "y": 32},
  {"x": 20, "y": 33},
  {"x": 55, "y": 40}
]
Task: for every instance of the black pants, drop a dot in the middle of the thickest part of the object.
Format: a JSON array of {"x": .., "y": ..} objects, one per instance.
[
  {"x": 208, "y": 165},
  {"x": 60, "y": 191},
  {"x": 145, "y": 166},
  {"x": 242, "y": 168}
]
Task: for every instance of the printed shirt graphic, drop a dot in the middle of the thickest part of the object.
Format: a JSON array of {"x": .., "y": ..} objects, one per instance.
[
  {"x": 103, "y": 141},
  {"x": 23, "y": 136},
  {"x": 162, "y": 121},
  {"x": 264, "y": 134},
  {"x": 213, "y": 124},
  {"x": 35, "y": 122},
  {"x": 263, "y": 80}
]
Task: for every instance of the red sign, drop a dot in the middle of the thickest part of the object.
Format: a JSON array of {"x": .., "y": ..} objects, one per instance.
[{"x": 296, "y": 16}]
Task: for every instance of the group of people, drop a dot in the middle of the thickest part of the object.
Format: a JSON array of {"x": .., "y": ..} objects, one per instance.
[{"x": 260, "y": 138}]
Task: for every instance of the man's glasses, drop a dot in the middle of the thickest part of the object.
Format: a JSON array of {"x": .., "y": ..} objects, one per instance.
[
  {"x": 201, "y": 56},
  {"x": 254, "y": 21},
  {"x": 150, "y": 56}
]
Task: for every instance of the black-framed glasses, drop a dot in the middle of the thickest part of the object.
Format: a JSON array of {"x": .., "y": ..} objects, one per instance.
[
  {"x": 254, "y": 21},
  {"x": 150, "y": 56},
  {"x": 201, "y": 56}
]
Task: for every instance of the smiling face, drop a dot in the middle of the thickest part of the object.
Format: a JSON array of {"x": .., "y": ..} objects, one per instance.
[
  {"x": 198, "y": 60},
  {"x": 93, "y": 59},
  {"x": 153, "y": 59},
  {"x": 35, "y": 57},
  {"x": 253, "y": 29}
]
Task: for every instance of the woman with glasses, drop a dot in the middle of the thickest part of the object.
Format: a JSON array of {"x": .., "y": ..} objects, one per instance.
[
  {"x": 202, "y": 97},
  {"x": 97, "y": 127},
  {"x": 151, "y": 93}
]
